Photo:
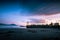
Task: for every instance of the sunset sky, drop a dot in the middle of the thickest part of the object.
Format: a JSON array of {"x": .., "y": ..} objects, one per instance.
[{"x": 32, "y": 11}]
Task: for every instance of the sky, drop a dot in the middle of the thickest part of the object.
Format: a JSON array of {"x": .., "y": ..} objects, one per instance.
[{"x": 33, "y": 11}]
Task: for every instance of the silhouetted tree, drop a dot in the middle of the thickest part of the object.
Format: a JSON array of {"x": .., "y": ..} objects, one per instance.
[{"x": 56, "y": 25}]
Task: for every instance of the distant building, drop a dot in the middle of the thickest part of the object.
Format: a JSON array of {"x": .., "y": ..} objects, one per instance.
[
  {"x": 27, "y": 23},
  {"x": 56, "y": 24}
]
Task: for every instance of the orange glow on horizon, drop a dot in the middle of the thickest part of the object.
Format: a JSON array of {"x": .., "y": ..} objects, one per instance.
[{"x": 48, "y": 19}]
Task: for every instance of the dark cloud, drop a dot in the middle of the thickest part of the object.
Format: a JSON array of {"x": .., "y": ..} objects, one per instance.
[
  {"x": 35, "y": 6},
  {"x": 41, "y": 6},
  {"x": 37, "y": 20}
]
